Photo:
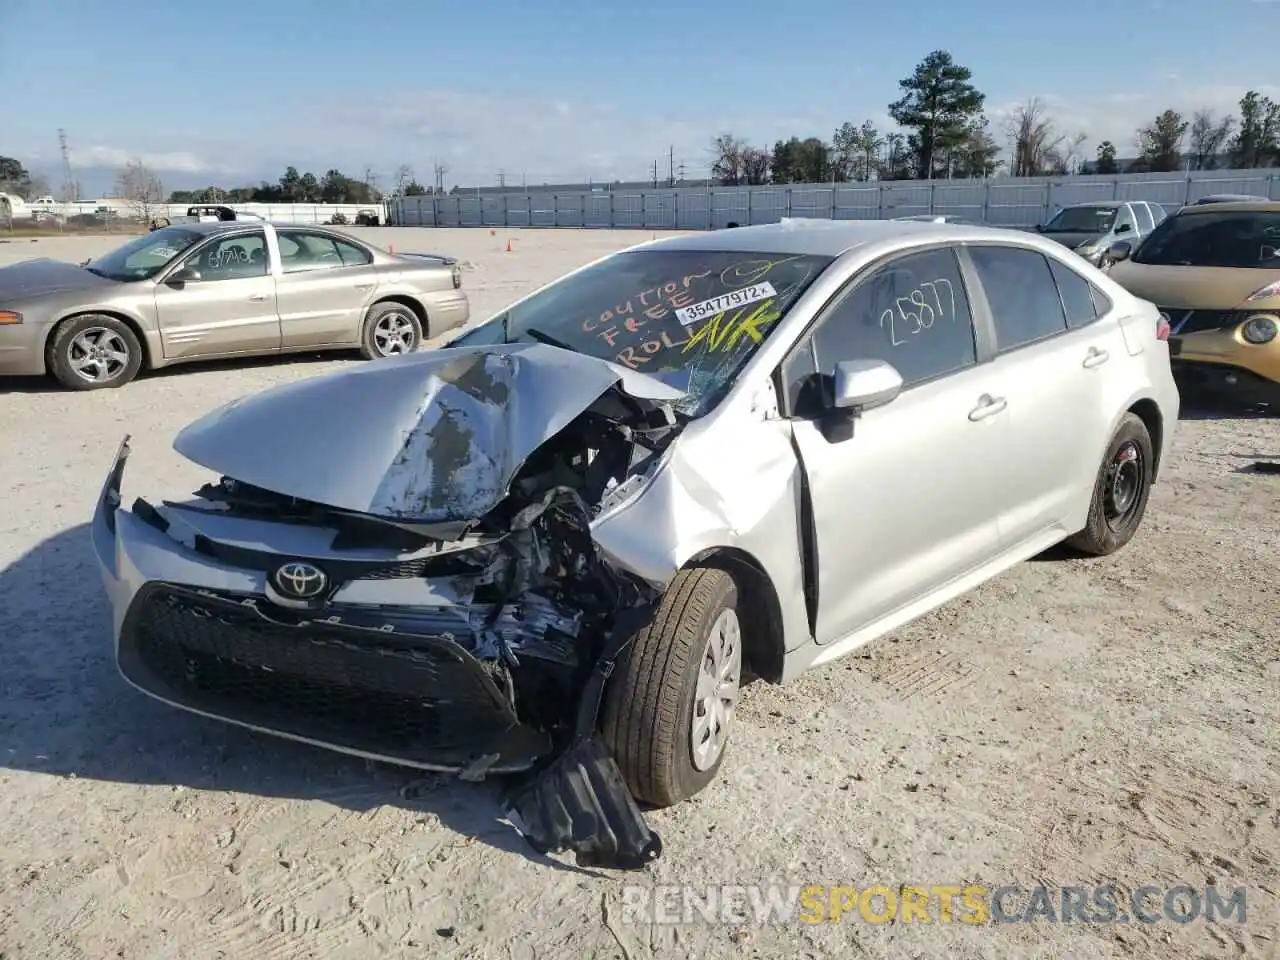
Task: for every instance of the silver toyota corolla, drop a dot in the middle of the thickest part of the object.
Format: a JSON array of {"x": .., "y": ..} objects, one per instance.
[{"x": 559, "y": 544}]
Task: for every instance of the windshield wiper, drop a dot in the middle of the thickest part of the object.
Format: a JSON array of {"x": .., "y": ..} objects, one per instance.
[{"x": 547, "y": 339}]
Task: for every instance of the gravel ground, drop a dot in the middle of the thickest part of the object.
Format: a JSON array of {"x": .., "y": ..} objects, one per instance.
[{"x": 1074, "y": 722}]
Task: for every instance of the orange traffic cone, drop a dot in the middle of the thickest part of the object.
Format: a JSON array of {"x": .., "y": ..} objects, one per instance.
[
  {"x": 493, "y": 233},
  {"x": 508, "y": 246}
]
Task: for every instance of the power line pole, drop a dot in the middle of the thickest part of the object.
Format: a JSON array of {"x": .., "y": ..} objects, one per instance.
[
  {"x": 654, "y": 173},
  {"x": 70, "y": 191},
  {"x": 502, "y": 179},
  {"x": 671, "y": 166},
  {"x": 682, "y": 177}
]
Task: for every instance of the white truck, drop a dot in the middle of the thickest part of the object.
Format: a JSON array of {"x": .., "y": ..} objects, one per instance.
[{"x": 205, "y": 213}]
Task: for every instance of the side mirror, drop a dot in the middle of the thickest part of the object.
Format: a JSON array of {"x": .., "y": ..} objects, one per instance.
[
  {"x": 864, "y": 384},
  {"x": 183, "y": 275},
  {"x": 1123, "y": 228},
  {"x": 1039, "y": 228},
  {"x": 1118, "y": 251}
]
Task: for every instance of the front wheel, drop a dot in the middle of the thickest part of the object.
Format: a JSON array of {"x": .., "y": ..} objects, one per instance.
[
  {"x": 669, "y": 707},
  {"x": 1120, "y": 492},
  {"x": 94, "y": 351},
  {"x": 390, "y": 330}
]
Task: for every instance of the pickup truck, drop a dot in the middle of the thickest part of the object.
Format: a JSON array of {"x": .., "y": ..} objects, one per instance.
[{"x": 205, "y": 213}]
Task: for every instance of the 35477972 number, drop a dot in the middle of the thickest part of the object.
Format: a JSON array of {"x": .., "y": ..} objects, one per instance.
[{"x": 919, "y": 310}]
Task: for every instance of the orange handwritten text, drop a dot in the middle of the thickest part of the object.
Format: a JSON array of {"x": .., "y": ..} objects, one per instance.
[
  {"x": 725, "y": 331},
  {"x": 653, "y": 304},
  {"x": 633, "y": 357}
]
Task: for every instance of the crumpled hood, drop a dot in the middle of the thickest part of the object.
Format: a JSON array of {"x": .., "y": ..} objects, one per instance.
[
  {"x": 434, "y": 437},
  {"x": 43, "y": 277}
]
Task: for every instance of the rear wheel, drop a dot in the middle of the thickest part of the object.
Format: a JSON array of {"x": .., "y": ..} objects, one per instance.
[
  {"x": 390, "y": 330},
  {"x": 669, "y": 708},
  {"x": 1120, "y": 492},
  {"x": 94, "y": 351}
]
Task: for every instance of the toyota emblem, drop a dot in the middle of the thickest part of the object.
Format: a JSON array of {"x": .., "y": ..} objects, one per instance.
[{"x": 300, "y": 581}]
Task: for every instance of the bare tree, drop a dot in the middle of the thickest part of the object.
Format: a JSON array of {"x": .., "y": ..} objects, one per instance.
[
  {"x": 142, "y": 188},
  {"x": 1037, "y": 145},
  {"x": 727, "y": 163},
  {"x": 1209, "y": 135},
  {"x": 755, "y": 165},
  {"x": 404, "y": 177}
]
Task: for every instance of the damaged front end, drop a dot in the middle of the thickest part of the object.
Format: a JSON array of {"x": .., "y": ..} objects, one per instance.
[{"x": 406, "y": 631}]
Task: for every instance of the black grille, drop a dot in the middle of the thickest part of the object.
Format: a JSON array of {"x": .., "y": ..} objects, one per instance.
[
  {"x": 417, "y": 699},
  {"x": 1183, "y": 321}
]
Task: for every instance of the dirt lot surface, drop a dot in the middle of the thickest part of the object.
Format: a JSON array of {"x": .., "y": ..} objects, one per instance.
[{"x": 1071, "y": 723}]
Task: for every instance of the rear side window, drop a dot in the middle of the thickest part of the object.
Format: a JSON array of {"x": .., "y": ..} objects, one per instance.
[
  {"x": 1146, "y": 222},
  {"x": 911, "y": 312},
  {"x": 1076, "y": 294},
  {"x": 1022, "y": 294}
]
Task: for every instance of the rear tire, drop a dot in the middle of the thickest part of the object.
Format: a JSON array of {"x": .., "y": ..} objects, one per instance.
[
  {"x": 1120, "y": 492},
  {"x": 94, "y": 351},
  {"x": 667, "y": 730},
  {"x": 390, "y": 330}
]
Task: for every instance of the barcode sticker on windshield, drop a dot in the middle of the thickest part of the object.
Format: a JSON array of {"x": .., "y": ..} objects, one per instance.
[{"x": 726, "y": 301}]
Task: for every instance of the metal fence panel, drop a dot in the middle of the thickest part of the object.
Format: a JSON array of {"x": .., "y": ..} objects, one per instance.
[{"x": 1021, "y": 202}]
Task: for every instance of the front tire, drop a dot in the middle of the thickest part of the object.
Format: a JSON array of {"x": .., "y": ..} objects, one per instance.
[
  {"x": 390, "y": 330},
  {"x": 669, "y": 707},
  {"x": 1120, "y": 492},
  {"x": 93, "y": 352}
]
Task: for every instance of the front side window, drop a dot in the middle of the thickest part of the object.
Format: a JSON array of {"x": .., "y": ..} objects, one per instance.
[
  {"x": 912, "y": 313},
  {"x": 1146, "y": 222},
  {"x": 1021, "y": 292},
  {"x": 143, "y": 258},
  {"x": 232, "y": 258},
  {"x": 692, "y": 318},
  {"x": 1210, "y": 238}
]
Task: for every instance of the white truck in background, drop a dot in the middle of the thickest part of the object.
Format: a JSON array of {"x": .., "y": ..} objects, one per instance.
[{"x": 205, "y": 213}]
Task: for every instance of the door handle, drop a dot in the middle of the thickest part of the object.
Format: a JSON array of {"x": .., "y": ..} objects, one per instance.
[
  {"x": 258, "y": 297},
  {"x": 1096, "y": 357},
  {"x": 987, "y": 406}
]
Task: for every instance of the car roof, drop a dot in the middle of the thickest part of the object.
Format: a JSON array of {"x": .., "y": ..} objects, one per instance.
[
  {"x": 226, "y": 226},
  {"x": 829, "y": 238},
  {"x": 1100, "y": 203},
  {"x": 1231, "y": 206}
]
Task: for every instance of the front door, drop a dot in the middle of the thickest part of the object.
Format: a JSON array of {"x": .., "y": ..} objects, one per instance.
[
  {"x": 324, "y": 288},
  {"x": 909, "y": 500},
  {"x": 230, "y": 309}
]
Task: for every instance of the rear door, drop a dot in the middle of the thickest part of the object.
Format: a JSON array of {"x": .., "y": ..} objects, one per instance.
[
  {"x": 1052, "y": 360},
  {"x": 230, "y": 309},
  {"x": 909, "y": 498},
  {"x": 325, "y": 286}
]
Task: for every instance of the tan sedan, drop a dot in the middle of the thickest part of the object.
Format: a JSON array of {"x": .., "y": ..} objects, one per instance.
[{"x": 202, "y": 291}]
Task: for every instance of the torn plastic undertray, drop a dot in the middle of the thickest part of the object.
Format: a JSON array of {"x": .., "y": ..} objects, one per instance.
[{"x": 580, "y": 801}]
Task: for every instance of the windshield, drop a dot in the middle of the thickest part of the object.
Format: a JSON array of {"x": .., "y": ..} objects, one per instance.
[
  {"x": 1082, "y": 220},
  {"x": 690, "y": 317},
  {"x": 143, "y": 258},
  {"x": 1243, "y": 240}
]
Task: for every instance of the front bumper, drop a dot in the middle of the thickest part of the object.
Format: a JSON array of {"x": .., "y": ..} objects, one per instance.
[
  {"x": 21, "y": 349},
  {"x": 201, "y": 635}
]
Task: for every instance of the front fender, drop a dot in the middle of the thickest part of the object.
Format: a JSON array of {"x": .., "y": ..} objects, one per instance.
[{"x": 728, "y": 490}]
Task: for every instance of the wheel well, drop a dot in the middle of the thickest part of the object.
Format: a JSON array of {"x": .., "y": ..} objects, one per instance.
[
  {"x": 1149, "y": 414},
  {"x": 762, "y": 629},
  {"x": 412, "y": 304},
  {"x": 126, "y": 320}
]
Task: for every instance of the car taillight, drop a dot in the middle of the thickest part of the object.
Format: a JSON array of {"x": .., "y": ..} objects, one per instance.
[
  {"x": 1162, "y": 328},
  {"x": 457, "y": 277}
]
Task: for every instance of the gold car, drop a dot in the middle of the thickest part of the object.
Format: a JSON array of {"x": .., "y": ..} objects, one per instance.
[{"x": 1214, "y": 272}]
